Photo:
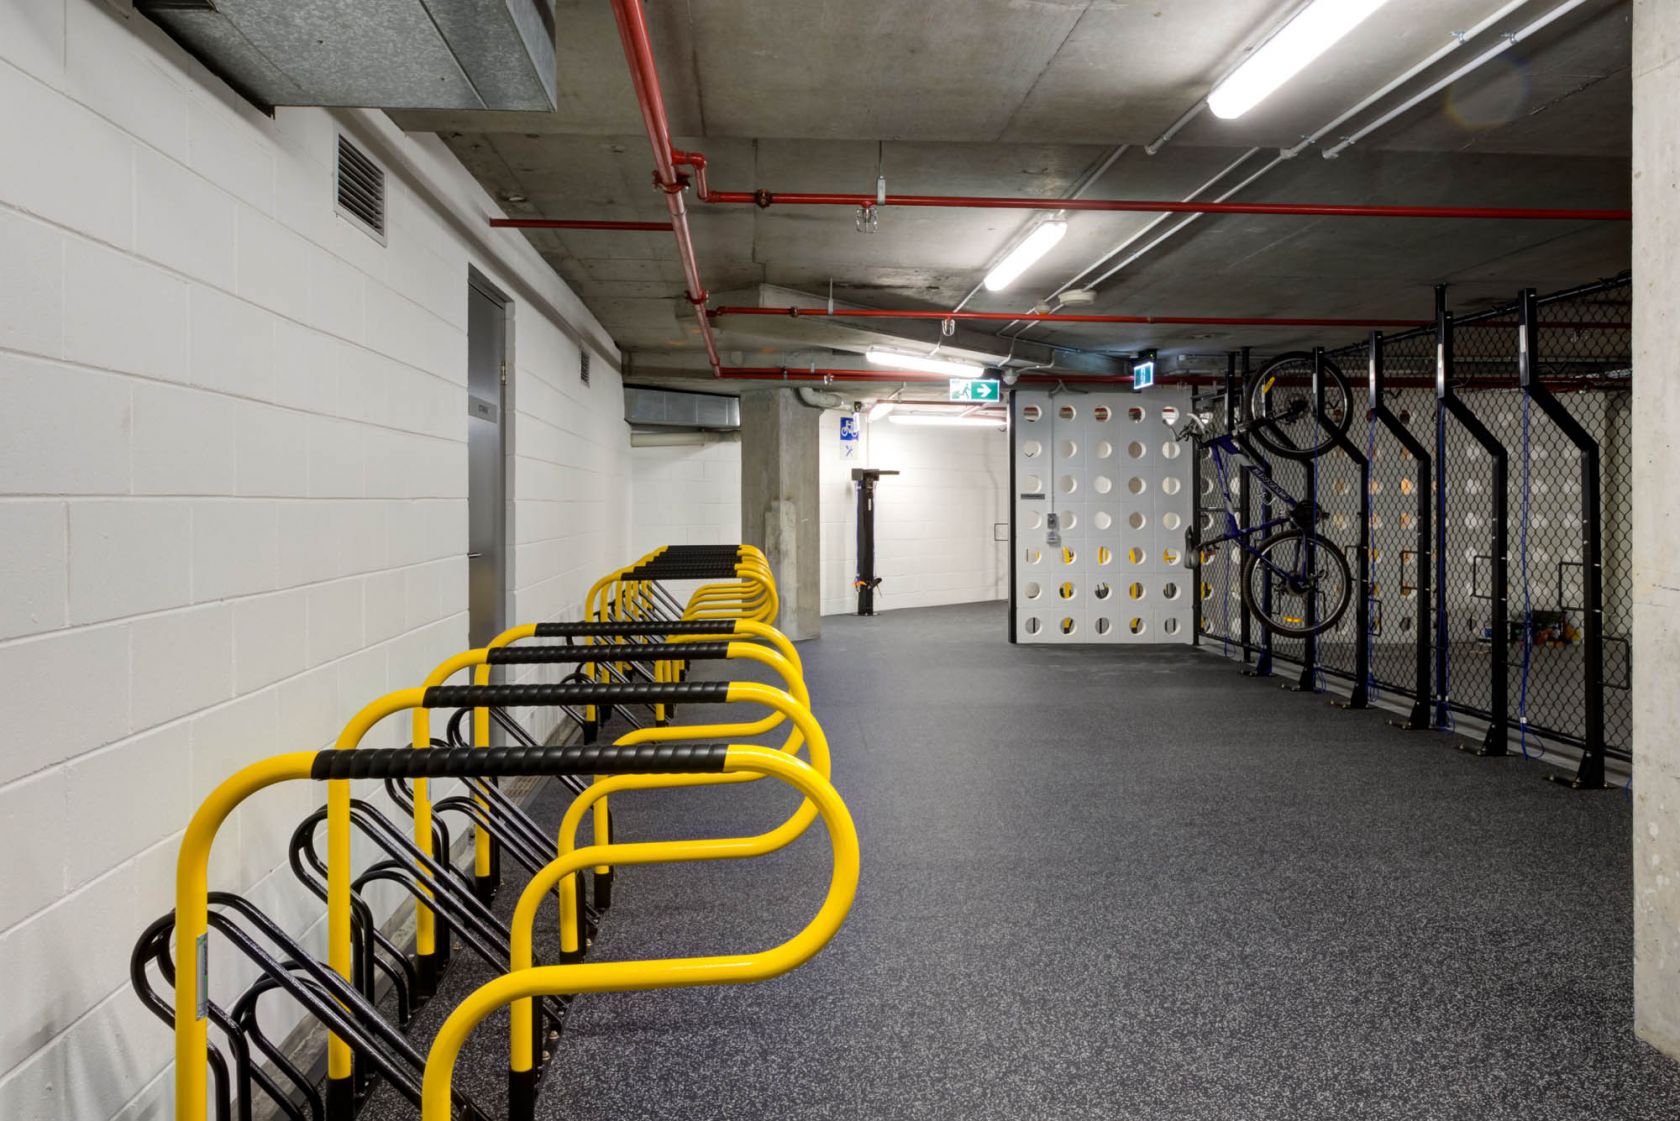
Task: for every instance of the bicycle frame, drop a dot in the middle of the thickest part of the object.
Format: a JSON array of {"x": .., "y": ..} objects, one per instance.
[{"x": 1229, "y": 452}]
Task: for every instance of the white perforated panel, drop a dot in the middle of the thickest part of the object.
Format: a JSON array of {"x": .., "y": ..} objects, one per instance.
[{"x": 1106, "y": 464}]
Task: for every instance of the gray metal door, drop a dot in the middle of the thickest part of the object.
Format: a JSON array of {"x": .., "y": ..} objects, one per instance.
[{"x": 486, "y": 466}]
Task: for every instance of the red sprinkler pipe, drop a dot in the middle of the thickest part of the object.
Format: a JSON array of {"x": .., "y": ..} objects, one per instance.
[
  {"x": 1186, "y": 320},
  {"x": 573, "y": 224},
  {"x": 762, "y": 198},
  {"x": 638, "y": 52}
]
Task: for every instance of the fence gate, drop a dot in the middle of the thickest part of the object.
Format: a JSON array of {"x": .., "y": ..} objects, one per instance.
[{"x": 1105, "y": 467}]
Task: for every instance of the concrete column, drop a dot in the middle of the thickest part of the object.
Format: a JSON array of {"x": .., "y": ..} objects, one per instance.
[
  {"x": 780, "y": 511},
  {"x": 1656, "y": 530}
]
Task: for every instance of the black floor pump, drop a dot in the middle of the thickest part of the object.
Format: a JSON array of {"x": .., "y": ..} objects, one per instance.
[{"x": 866, "y": 580}]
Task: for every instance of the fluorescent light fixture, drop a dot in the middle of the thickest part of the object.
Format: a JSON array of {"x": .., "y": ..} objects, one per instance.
[
  {"x": 1312, "y": 32},
  {"x": 1022, "y": 257},
  {"x": 880, "y": 409},
  {"x": 950, "y": 367},
  {"x": 946, "y": 420}
]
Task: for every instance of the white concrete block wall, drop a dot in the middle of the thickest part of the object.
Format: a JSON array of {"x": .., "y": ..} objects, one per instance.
[
  {"x": 934, "y": 522},
  {"x": 232, "y": 496},
  {"x": 688, "y": 494}
]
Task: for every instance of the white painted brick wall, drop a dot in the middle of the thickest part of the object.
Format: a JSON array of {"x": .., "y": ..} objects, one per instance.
[
  {"x": 933, "y": 522},
  {"x": 232, "y": 498},
  {"x": 685, "y": 495}
]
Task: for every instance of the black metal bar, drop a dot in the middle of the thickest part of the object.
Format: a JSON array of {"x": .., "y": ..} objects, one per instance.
[
  {"x": 1590, "y": 774},
  {"x": 1359, "y": 696},
  {"x": 1419, "y": 718},
  {"x": 866, "y": 581},
  {"x": 1308, "y": 681},
  {"x": 1443, "y": 662},
  {"x": 1494, "y": 743},
  {"x": 1262, "y": 664}
]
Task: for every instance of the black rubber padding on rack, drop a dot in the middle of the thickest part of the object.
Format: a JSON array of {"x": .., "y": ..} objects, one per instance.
[
  {"x": 627, "y": 630},
  {"x": 613, "y": 652},
  {"x": 513, "y": 696},
  {"x": 456, "y": 762}
]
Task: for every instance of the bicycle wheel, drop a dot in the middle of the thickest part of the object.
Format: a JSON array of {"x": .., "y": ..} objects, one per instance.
[
  {"x": 1280, "y": 398},
  {"x": 1305, "y": 600}
]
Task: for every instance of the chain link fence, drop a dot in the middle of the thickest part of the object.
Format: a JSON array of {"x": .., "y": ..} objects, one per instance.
[{"x": 1583, "y": 345}]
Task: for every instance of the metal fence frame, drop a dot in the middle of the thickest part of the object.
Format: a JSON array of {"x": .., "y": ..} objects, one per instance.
[{"x": 1525, "y": 382}]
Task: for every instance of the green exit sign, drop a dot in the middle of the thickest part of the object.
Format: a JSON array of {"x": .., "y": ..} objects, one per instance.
[{"x": 974, "y": 389}]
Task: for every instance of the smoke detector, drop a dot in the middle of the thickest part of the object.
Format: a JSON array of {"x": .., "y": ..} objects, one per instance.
[{"x": 1078, "y": 297}]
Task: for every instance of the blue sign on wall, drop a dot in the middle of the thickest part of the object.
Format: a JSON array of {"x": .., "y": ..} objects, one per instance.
[{"x": 849, "y": 435}]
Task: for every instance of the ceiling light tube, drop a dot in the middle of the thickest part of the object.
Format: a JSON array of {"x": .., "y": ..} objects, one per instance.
[
  {"x": 942, "y": 420},
  {"x": 1024, "y": 255},
  {"x": 1314, "y": 30},
  {"x": 927, "y": 363},
  {"x": 880, "y": 409}
]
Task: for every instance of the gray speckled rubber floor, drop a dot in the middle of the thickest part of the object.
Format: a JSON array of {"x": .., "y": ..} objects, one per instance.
[{"x": 1124, "y": 883}]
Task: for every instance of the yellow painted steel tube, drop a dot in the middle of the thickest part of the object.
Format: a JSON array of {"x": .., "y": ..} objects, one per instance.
[
  {"x": 626, "y": 976},
  {"x": 192, "y": 907}
]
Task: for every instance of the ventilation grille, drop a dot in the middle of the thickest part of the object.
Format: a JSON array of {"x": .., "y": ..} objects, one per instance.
[
  {"x": 583, "y": 365},
  {"x": 361, "y": 188}
]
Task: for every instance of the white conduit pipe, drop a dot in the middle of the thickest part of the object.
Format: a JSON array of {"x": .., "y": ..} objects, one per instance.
[
  {"x": 1479, "y": 61},
  {"x": 1458, "y": 41}
]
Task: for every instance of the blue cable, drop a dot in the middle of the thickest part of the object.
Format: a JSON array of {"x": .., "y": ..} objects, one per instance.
[
  {"x": 1370, "y": 600},
  {"x": 1528, "y": 608},
  {"x": 1443, "y": 707}
]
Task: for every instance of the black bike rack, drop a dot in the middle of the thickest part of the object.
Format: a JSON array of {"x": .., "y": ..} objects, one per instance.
[
  {"x": 1589, "y": 775},
  {"x": 1420, "y": 717}
]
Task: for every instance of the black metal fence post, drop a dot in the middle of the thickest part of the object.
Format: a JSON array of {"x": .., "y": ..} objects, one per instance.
[
  {"x": 1590, "y": 774},
  {"x": 1443, "y": 636},
  {"x": 1359, "y": 695},
  {"x": 1419, "y": 717},
  {"x": 1308, "y": 681},
  {"x": 1263, "y": 664},
  {"x": 1499, "y": 660}
]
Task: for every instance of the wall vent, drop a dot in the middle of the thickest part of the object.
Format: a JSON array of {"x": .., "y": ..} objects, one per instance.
[
  {"x": 361, "y": 188},
  {"x": 583, "y": 365}
]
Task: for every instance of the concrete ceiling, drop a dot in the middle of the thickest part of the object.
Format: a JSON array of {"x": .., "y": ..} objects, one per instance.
[{"x": 1026, "y": 97}]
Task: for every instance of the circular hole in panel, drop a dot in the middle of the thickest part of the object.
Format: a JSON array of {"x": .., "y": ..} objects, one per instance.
[
  {"x": 1170, "y": 626},
  {"x": 1169, "y": 413},
  {"x": 1135, "y": 449},
  {"x": 1035, "y": 520},
  {"x": 1171, "y": 449},
  {"x": 1136, "y": 519},
  {"x": 1069, "y": 519},
  {"x": 1376, "y": 486},
  {"x": 1207, "y": 520},
  {"x": 1376, "y": 521},
  {"x": 1170, "y": 486},
  {"x": 1068, "y": 625},
  {"x": 1032, "y": 484},
  {"x": 1104, "y": 554},
  {"x": 1407, "y": 486},
  {"x": 1406, "y": 623},
  {"x": 1030, "y": 413},
  {"x": 1068, "y": 412},
  {"x": 1170, "y": 591},
  {"x": 1067, "y": 484},
  {"x": 1137, "y": 626},
  {"x": 1171, "y": 520},
  {"x": 1103, "y": 519},
  {"x": 1136, "y": 485},
  {"x": 1136, "y": 590},
  {"x": 1100, "y": 414},
  {"x": 1472, "y": 521},
  {"x": 1067, "y": 590},
  {"x": 1135, "y": 555},
  {"x": 1101, "y": 591},
  {"x": 1067, "y": 449},
  {"x": 1341, "y": 486},
  {"x": 1034, "y": 556},
  {"x": 1136, "y": 414},
  {"x": 1103, "y": 484},
  {"x": 1032, "y": 625},
  {"x": 1207, "y": 486},
  {"x": 1207, "y": 592},
  {"x": 1171, "y": 555},
  {"x": 1341, "y": 521},
  {"x": 1104, "y": 626},
  {"x": 1034, "y": 589},
  {"x": 1032, "y": 449},
  {"x": 1068, "y": 555},
  {"x": 1104, "y": 449},
  {"x": 1406, "y": 520}
]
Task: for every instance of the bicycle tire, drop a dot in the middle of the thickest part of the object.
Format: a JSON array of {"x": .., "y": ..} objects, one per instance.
[
  {"x": 1270, "y": 436},
  {"x": 1295, "y": 626}
]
